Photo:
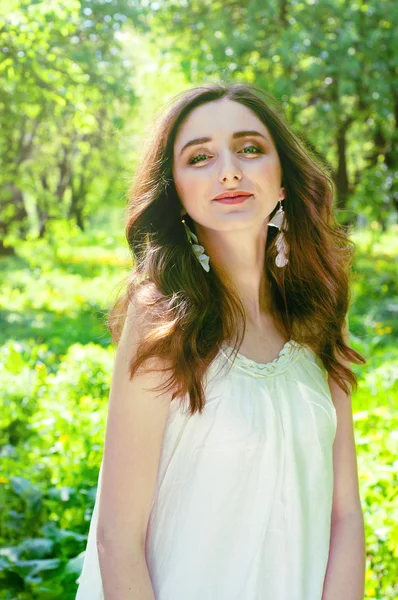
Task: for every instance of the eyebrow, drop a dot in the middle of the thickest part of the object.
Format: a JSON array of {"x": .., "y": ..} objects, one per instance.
[{"x": 237, "y": 134}]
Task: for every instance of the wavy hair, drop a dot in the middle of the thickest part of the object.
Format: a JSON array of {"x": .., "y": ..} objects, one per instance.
[{"x": 190, "y": 312}]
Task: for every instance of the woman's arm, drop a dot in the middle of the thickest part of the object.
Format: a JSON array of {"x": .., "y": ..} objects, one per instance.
[
  {"x": 124, "y": 572},
  {"x": 346, "y": 565},
  {"x": 345, "y": 574},
  {"x": 134, "y": 434}
]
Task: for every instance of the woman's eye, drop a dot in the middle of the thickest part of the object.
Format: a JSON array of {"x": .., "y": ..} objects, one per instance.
[{"x": 193, "y": 160}]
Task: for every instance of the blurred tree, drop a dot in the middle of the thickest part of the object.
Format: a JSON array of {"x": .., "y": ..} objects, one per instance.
[
  {"x": 331, "y": 64},
  {"x": 64, "y": 91},
  {"x": 68, "y": 92}
]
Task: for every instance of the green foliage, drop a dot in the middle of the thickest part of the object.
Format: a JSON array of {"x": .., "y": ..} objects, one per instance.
[
  {"x": 52, "y": 321},
  {"x": 376, "y": 439},
  {"x": 65, "y": 89},
  {"x": 51, "y": 444},
  {"x": 55, "y": 372},
  {"x": 78, "y": 79},
  {"x": 330, "y": 64}
]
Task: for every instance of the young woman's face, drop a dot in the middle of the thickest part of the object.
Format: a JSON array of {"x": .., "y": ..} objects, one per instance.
[{"x": 225, "y": 163}]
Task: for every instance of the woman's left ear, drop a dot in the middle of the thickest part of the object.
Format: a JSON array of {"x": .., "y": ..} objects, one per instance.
[{"x": 282, "y": 194}]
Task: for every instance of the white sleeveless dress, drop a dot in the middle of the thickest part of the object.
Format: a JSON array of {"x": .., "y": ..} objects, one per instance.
[{"x": 242, "y": 507}]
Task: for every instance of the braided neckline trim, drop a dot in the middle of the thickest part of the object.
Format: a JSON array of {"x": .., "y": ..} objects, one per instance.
[{"x": 278, "y": 364}]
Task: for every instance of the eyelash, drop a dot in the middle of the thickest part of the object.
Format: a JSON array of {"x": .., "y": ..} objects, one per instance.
[{"x": 193, "y": 158}]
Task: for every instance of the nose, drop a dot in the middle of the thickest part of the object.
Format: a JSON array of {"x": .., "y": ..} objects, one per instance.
[{"x": 229, "y": 168}]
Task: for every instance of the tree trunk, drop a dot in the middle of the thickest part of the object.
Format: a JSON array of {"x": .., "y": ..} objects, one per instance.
[
  {"x": 78, "y": 198},
  {"x": 13, "y": 216},
  {"x": 341, "y": 179}
]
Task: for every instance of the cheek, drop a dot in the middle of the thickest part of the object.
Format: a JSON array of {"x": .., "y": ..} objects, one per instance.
[
  {"x": 268, "y": 170},
  {"x": 191, "y": 192},
  {"x": 193, "y": 183},
  {"x": 182, "y": 183}
]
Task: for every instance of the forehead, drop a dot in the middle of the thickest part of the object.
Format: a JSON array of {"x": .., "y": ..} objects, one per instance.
[{"x": 217, "y": 119}]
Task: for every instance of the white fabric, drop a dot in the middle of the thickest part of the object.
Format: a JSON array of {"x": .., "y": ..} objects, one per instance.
[{"x": 242, "y": 506}]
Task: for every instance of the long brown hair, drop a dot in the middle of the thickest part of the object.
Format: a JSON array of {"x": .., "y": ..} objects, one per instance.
[{"x": 190, "y": 311}]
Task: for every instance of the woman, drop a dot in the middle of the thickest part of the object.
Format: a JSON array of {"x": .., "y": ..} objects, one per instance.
[{"x": 245, "y": 486}]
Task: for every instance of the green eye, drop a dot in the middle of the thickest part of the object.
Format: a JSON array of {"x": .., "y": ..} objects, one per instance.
[
  {"x": 256, "y": 150},
  {"x": 193, "y": 159},
  {"x": 252, "y": 146}
]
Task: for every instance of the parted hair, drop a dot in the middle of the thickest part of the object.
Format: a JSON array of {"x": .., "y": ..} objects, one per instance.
[{"x": 189, "y": 312}]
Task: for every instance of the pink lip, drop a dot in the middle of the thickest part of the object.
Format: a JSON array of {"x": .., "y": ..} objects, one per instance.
[{"x": 233, "y": 200}]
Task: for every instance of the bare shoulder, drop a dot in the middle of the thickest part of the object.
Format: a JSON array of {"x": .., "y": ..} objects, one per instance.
[{"x": 136, "y": 421}]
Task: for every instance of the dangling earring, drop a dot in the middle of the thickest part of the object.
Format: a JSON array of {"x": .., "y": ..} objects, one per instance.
[
  {"x": 281, "y": 244},
  {"x": 198, "y": 250}
]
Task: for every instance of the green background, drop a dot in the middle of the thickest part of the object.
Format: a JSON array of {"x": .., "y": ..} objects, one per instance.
[{"x": 79, "y": 85}]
